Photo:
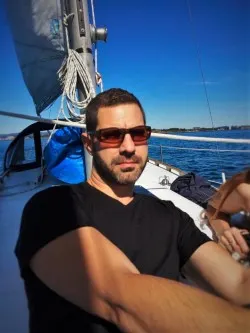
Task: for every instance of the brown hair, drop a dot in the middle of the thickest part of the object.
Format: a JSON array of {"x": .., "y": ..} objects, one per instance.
[
  {"x": 111, "y": 97},
  {"x": 230, "y": 185}
]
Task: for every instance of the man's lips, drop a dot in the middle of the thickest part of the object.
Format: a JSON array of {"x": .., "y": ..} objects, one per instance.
[{"x": 127, "y": 163}]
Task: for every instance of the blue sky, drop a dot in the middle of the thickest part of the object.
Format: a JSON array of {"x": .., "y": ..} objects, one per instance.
[{"x": 151, "y": 51}]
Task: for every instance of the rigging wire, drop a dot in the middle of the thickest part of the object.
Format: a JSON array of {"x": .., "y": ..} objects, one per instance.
[
  {"x": 200, "y": 65},
  {"x": 203, "y": 77},
  {"x": 98, "y": 76},
  {"x": 93, "y": 12}
]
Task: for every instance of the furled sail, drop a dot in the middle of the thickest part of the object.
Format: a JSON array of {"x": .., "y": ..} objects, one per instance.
[{"x": 39, "y": 40}]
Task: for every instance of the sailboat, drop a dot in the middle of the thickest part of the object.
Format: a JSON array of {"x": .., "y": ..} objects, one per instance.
[{"x": 60, "y": 31}]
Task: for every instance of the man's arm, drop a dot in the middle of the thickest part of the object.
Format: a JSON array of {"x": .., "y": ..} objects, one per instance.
[
  {"x": 214, "y": 266},
  {"x": 88, "y": 270}
]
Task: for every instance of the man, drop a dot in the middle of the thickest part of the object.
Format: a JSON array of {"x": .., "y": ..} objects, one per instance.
[{"x": 96, "y": 257}]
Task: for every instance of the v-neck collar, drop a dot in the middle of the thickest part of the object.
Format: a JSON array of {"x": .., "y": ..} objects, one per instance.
[{"x": 108, "y": 197}]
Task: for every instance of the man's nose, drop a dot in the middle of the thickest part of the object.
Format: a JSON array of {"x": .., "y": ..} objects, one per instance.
[{"x": 127, "y": 144}]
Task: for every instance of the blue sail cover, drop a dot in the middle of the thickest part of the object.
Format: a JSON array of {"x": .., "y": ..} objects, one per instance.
[
  {"x": 39, "y": 41},
  {"x": 64, "y": 156}
]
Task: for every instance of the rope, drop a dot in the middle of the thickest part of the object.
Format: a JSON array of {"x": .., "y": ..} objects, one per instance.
[
  {"x": 73, "y": 71},
  {"x": 73, "y": 74},
  {"x": 98, "y": 76}
]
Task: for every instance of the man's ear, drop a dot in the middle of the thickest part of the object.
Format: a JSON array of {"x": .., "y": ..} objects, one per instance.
[{"x": 87, "y": 142}]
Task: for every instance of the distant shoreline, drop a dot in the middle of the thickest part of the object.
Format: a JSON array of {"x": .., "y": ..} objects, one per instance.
[{"x": 201, "y": 129}]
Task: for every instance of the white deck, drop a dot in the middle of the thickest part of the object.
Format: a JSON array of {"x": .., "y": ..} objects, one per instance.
[
  {"x": 14, "y": 193},
  {"x": 150, "y": 180},
  {"x": 13, "y": 306}
]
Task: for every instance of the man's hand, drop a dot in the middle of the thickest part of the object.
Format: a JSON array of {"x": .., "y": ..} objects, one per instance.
[{"x": 232, "y": 239}]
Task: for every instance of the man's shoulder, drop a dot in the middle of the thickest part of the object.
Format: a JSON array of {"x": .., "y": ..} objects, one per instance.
[
  {"x": 54, "y": 194},
  {"x": 47, "y": 196},
  {"x": 57, "y": 189},
  {"x": 48, "y": 215}
]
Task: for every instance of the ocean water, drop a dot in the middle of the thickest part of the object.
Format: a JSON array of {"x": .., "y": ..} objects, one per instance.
[{"x": 209, "y": 164}]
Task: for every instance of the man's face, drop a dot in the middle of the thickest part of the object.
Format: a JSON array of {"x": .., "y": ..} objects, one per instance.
[{"x": 122, "y": 163}]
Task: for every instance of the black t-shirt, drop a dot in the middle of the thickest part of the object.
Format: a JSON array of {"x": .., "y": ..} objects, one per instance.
[{"x": 155, "y": 235}]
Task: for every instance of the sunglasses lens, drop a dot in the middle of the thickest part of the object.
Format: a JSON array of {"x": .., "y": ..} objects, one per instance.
[
  {"x": 116, "y": 135},
  {"x": 140, "y": 134},
  {"x": 110, "y": 135}
]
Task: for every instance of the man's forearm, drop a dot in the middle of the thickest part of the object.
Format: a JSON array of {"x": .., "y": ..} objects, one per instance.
[{"x": 149, "y": 304}]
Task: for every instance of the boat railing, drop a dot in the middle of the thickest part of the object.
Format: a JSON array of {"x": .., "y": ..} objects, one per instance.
[
  {"x": 197, "y": 138},
  {"x": 161, "y": 147}
]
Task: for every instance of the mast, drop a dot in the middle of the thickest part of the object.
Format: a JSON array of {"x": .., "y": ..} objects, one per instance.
[{"x": 82, "y": 35}]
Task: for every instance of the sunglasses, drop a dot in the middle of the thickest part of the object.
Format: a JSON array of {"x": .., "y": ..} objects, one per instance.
[{"x": 116, "y": 135}]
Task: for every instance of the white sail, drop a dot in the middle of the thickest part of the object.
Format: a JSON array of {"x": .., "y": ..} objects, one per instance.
[{"x": 39, "y": 40}]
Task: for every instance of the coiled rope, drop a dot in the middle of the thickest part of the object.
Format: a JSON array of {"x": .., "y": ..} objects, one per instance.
[{"x": 73, "y": 72}]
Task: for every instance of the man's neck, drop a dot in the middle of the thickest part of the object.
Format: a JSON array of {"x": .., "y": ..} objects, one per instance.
[{"x": 122, "y": 193}]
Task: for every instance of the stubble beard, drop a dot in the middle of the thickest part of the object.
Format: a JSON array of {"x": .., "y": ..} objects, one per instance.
[{"x": 124, "y": 176}]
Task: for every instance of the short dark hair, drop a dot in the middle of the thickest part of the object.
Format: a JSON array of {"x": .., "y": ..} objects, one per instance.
[{"x": 111, "y": 97}]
